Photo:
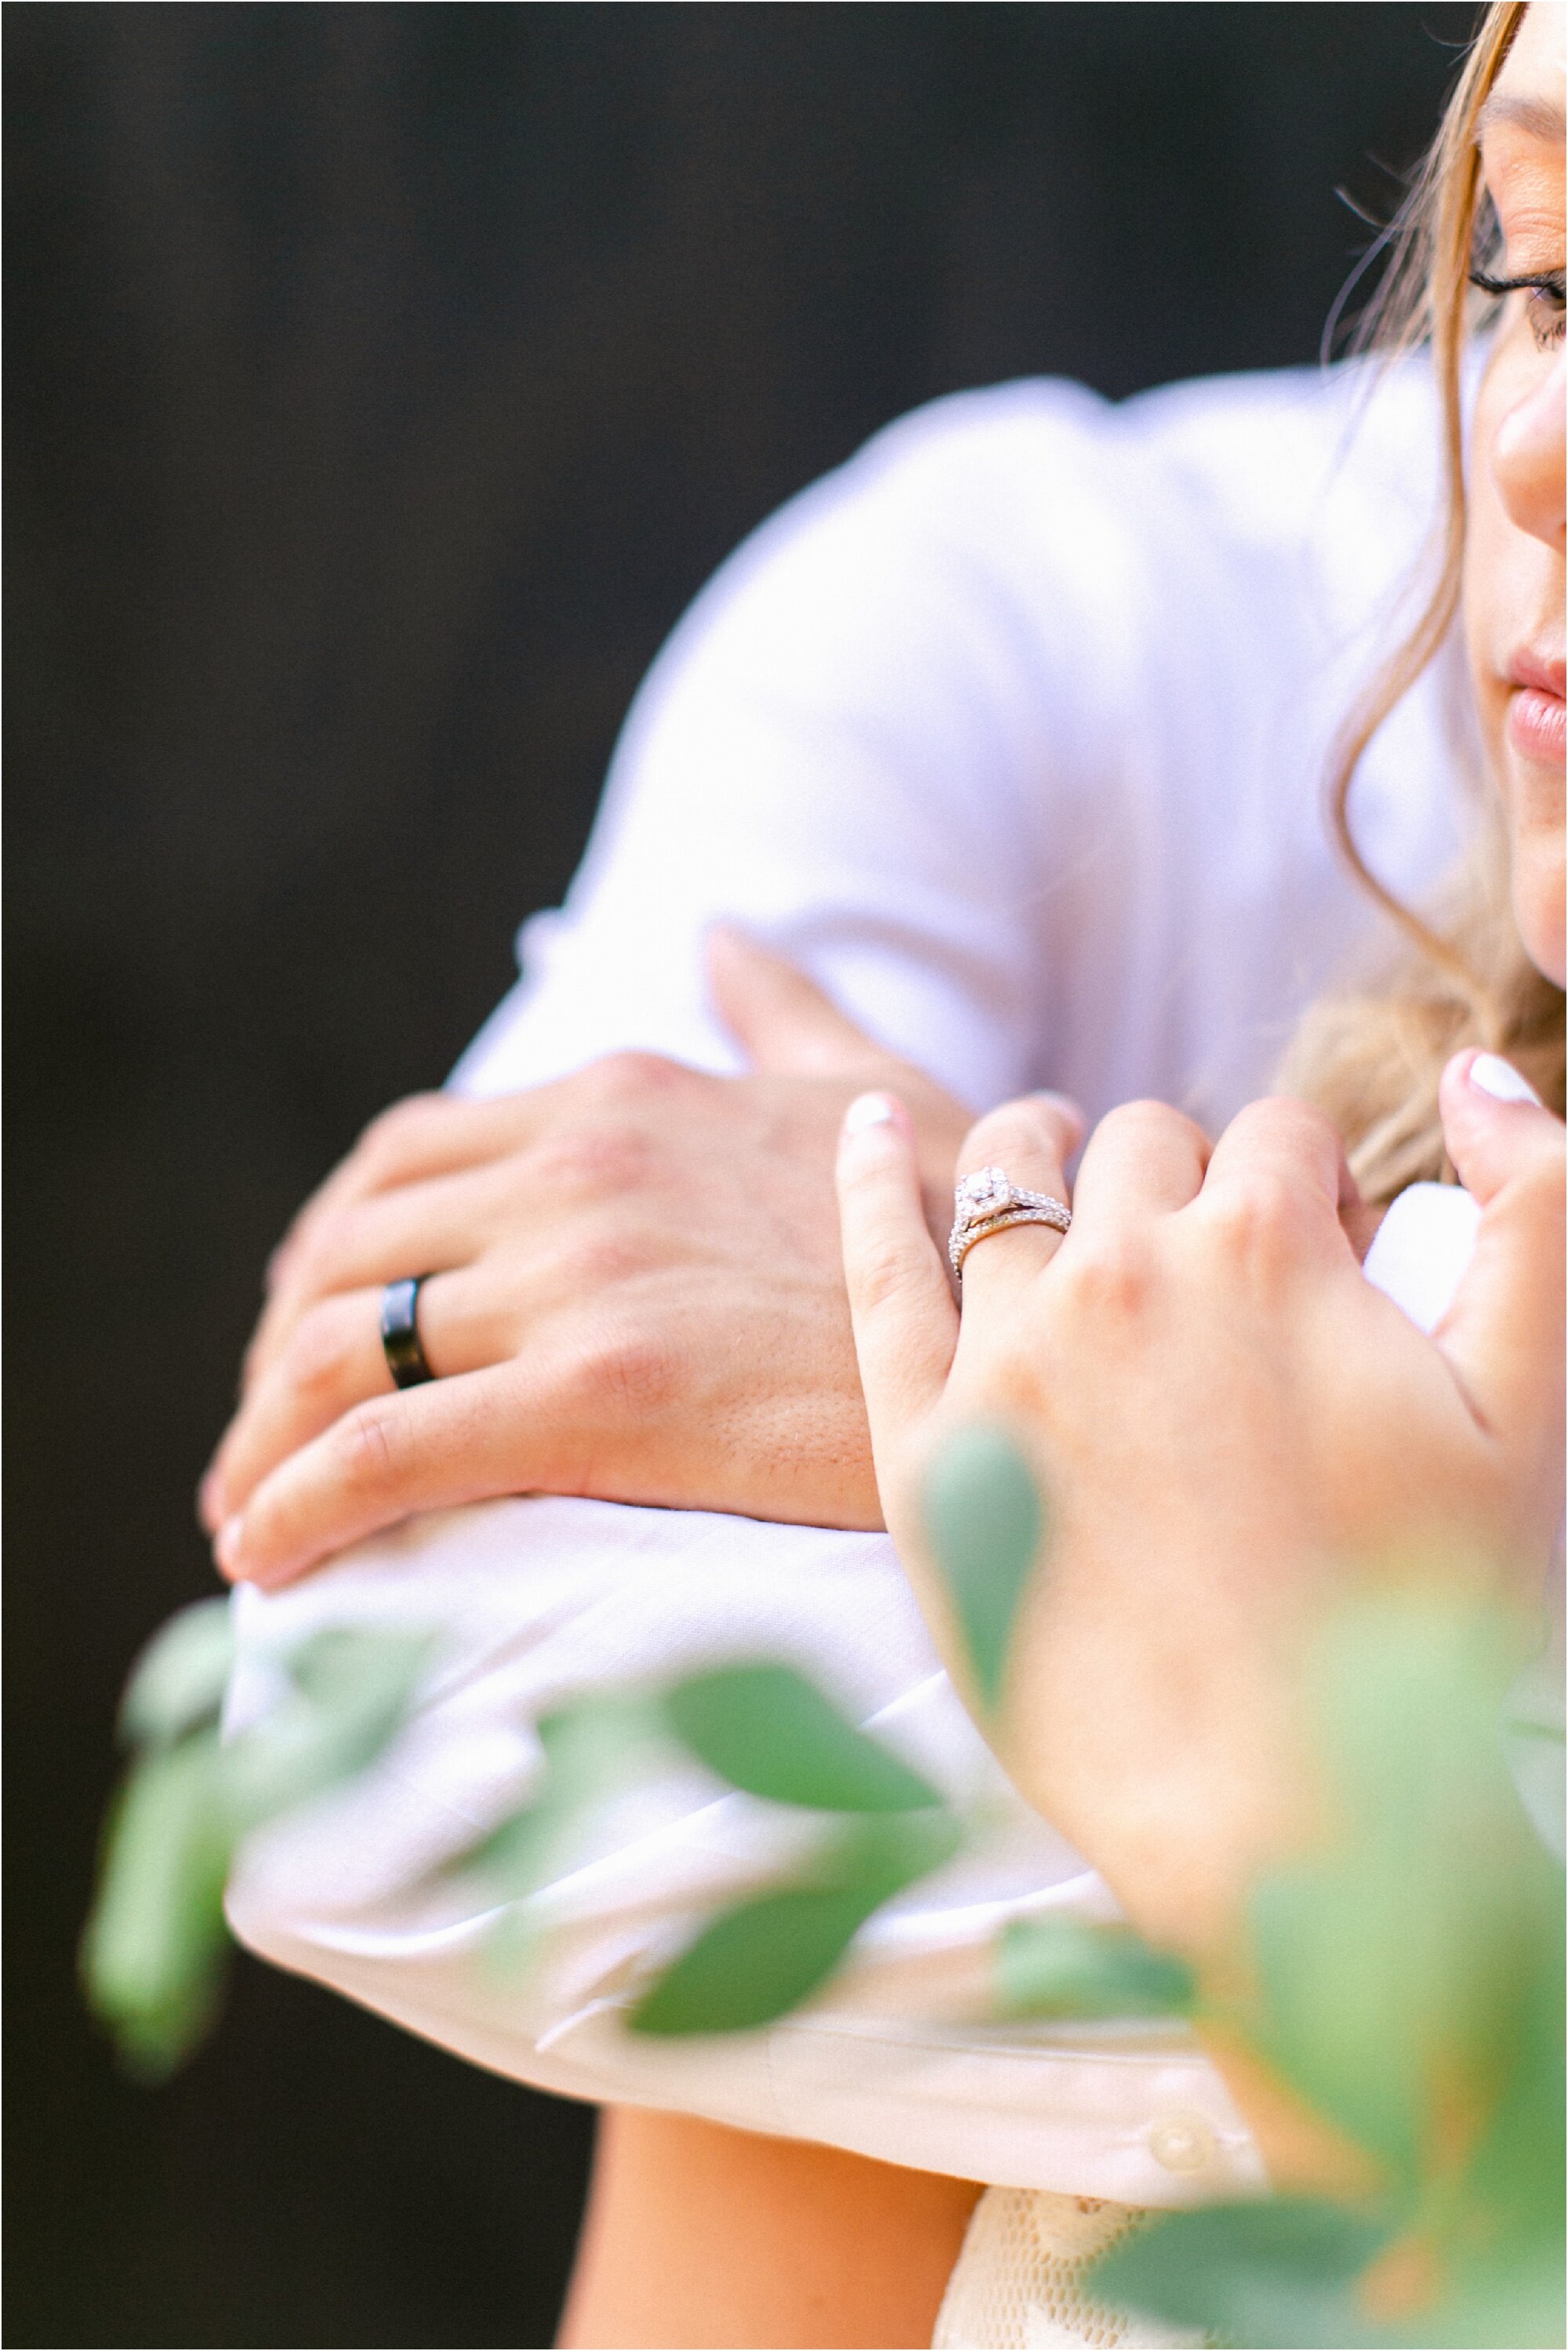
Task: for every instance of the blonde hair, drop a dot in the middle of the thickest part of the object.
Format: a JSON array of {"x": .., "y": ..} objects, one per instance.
[{"x": 1371, "y": 1058}]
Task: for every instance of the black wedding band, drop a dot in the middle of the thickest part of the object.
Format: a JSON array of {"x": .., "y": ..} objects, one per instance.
[{"x": 400, "y": 1334}]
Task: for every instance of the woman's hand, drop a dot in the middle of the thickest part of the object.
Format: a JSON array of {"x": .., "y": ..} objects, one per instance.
[
  {"x": 1229, "y": 1421},
  {"x": 635, "y": 1293}
]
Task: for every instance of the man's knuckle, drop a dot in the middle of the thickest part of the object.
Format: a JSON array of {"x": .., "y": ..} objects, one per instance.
[
  {"x": 632, "y": 1077},
  {"x": 630, "y": 1367},
  {"x": 325, "y": 1250},
  {"x": 592, "y": 1160},
  {"x": 317, "y": 1353},
  {"x": 603, "y": 1257},
  {"x": 396, "y": 1133},
  {"x": 370, "y": 1448}
]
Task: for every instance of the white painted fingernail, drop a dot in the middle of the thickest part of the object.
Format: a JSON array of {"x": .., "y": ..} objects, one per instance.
[
  {"x": 1494, "y": 1076},
  {"x": 230, "y": 1541},
  {"x": 870, "y": 1110}
]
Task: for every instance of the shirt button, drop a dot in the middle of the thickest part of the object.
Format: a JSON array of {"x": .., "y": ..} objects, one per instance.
[{"x": 1182, "y": 2143}]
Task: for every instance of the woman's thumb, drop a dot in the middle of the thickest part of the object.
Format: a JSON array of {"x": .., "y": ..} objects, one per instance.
[
  {"x": 1493, "y": 1122},
  {"x": 782, "y": 1019},
  {"x": 1503, "y": 1333}
]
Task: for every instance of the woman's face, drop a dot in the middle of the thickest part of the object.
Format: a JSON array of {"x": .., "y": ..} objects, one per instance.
[{"x": 1514, "y": 547}]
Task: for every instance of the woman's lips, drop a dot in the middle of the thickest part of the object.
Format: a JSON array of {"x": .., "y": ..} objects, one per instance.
[
  {"x": 1538, "y": 725},
  {"x": 1535, "y": 709}
]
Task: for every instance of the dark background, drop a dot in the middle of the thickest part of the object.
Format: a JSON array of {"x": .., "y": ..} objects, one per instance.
[{"x": 383, "y": 382}]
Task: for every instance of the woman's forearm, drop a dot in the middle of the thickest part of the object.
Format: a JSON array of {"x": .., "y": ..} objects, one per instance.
[{"x": 698, "y": 2235}]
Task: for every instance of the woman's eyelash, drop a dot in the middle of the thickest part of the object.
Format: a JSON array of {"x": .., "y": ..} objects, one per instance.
[
  {"x": 1545, "y": 307},
  {"x": 1542, "y": 281}
]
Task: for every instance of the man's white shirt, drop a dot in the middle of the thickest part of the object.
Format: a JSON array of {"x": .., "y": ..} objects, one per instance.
[{"x": 1013, "y": 732}]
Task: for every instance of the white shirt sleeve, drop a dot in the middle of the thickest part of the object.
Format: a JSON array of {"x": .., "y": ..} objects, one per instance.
[
  {"x": 1011, "y": 732},
  {"x": 848, "y": 747},
  {"x": 540, "y": 1601}
]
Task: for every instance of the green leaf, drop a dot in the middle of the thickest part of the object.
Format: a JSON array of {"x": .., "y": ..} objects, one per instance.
[
  {"x": 590, "y": 1750},
  {"x": 1062, "y": 1967},
  {"x": 359, "y": 1671},
  {"x": 1281, "y": 2273},
  {"x": 1390, "y": 1967},
  {"x": 351, "y": 1696},
  {"x": 755, "y": 1962},
  {"x": 177, "y": 1685},
  {"x": 153, "y": 1950},
  {"x": 1518, "y": 2301},
  {"x": 765, "y": 1728},
  {"x": 1501, "y": 2230},
  {"x": 984, "y": 1522},
  {"x": 763, "y": 1957}
]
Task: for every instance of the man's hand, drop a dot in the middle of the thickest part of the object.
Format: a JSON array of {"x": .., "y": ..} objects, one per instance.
[{"x": 635, "y": 1292}]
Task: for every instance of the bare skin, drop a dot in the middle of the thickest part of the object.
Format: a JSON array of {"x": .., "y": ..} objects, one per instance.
[
  {"x": 647, "y": 2274},
  {"x": 1514, "y": 534},
  {"x": 697, "y": 2235},
  {"x": 1247, "y": 1417},
  {"x": 1514, "y": 599},
  {"x": 636, "y": 1294}
]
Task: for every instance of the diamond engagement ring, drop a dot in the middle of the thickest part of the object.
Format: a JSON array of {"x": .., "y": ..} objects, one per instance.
[{"x": 988, "y": 1202}]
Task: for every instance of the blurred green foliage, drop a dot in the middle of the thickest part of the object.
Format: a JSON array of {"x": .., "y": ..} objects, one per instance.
[
  {"x": 1066, "y": 1968},
  {"x": 768, "y": 1730},
  {"x": 759, "y": 1959},
  {"x": 154, "y": 1948},
  {"x": 1406, "y": 1978},
  {"x": 1410, "y": 1986},
  {"x": 1409, "y": 1978},
  {"x": 986, "y": 1527}
]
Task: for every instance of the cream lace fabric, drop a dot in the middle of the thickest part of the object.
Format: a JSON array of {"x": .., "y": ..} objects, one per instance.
[{"x": 1019, "y": 2280}]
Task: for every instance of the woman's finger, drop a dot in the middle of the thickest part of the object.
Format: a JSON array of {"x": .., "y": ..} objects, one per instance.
[
  {"x": 1278, "y": 1170},
  {"x": 1143, "y": 1159},
  {"x": 784, "y": 1021},
  {"x": 906, "y": 1325},
  {"x": 1503, "y": 1333},
  {"x": 1491, "y": 1114},
  {"x": 1029, "y": 1141}
]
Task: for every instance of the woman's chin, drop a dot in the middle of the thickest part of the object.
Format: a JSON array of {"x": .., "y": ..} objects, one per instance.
[{"x": 1538, "y": 901}]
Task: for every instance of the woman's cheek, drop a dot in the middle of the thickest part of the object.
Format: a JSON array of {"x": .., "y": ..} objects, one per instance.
[
  {"x": 1486, "y": 533},
  {"x": 1501, "y": 603}
]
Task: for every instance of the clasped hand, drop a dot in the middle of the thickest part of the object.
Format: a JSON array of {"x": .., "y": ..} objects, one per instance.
[
  {"x": 1231, "y": 1425},
  {"x": 635, "y": 1293}
]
